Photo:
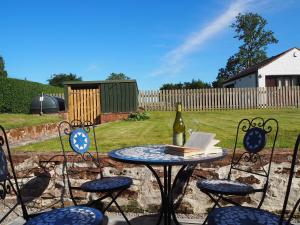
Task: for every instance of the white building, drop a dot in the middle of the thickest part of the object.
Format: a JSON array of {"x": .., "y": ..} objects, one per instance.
[{"x": 280, "y": 70}]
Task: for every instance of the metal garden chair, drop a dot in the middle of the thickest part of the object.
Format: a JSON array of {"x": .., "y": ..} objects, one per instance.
[
  {"x": 9, "y": 185},
  {"x": 253, "y": 216},
  {"x": 81, "y": 140},
  {"x": 254, "y": 135}
]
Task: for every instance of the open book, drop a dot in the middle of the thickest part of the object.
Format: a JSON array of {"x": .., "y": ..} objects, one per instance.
[{"x": 198, "y": 143}]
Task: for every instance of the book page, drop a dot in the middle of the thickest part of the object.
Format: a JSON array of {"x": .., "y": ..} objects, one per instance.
[
  {"x": 200, "y": 140},
  {"x": 213, "y": 150}
]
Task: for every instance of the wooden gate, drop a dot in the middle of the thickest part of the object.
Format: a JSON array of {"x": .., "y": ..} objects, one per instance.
[{"x": 84, "y": 104}]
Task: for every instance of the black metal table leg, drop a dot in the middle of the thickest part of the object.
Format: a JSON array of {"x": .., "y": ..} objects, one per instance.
[
  {"x": 161, "y": 188},
  {"x": 167, "y": 211},
  {"x": 169, "y": 197},
  {"x": 165, "y": 201}
]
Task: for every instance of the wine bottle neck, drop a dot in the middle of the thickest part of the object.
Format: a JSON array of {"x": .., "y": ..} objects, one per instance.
[{"x": 179, "y": 107}]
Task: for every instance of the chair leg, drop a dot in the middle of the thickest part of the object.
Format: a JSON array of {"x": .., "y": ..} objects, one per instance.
[
  {"x": 262, "y": 199},
  {"x": 216, "y": 201},
  {"x": 113, "y": 200},
  {"x": 206, "y": 218},
  {"x": 121, "y": 211}
]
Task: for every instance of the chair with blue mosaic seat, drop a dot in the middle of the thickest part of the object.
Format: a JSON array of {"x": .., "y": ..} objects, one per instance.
[
  {"x": 79, "y": 145},
  {"x": 251, "y": 160},
  {"x": 9, "y": 186},
  {"x": 235, "y": 215}
]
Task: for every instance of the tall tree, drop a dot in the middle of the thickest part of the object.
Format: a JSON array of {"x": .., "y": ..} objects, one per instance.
[
  {"x": 59, "y": 79},
  {"x": 3, "y": 72},
  {"x": 118, "y": 76},
  {"x": 250, "y": 30}
]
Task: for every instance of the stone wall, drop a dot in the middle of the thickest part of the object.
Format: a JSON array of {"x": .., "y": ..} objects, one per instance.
[
  {"x": 26, "y": 135},
  {"x": 45, "y": 187}
]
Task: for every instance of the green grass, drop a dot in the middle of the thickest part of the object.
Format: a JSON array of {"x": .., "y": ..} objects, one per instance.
[
  {"x": 9, "y": 120},
  {"x": 158, "y": 129}
]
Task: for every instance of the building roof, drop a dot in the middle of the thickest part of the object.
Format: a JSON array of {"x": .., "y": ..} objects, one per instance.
[{"x": 254, "y": 68}]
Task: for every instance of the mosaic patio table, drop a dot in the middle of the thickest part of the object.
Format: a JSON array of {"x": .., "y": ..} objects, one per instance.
[{"x": 154, "y": 155}]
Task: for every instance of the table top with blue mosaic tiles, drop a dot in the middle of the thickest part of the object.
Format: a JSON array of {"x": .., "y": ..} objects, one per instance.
[{"x": 155, "y": 155}]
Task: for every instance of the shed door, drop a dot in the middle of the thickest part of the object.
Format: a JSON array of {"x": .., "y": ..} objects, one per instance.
[{"x": 84, "y": 104}]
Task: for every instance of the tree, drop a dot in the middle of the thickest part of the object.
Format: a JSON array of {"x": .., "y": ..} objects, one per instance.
[
  {"x": 222, "y": 76},
  {"x": 117, "y": 76},
  {"x": 59, "y": 79},
  {"x": 171, "y": 86},
  {"x": 232, "y": 68},
  {"x": 195, "y": 84},
  {"x": 3, "y": 72},
  {"x": 250, "y": 29}
]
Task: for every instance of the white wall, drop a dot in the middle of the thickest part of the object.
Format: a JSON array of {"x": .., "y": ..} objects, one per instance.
[{"x": 287, "y": 64}]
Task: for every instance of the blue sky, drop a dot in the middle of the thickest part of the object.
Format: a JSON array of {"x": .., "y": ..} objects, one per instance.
[{"x": 153, "y": 41}]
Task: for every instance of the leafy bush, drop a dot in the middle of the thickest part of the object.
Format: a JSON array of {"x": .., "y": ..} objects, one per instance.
[
  {"x": 16, "y": 95},
  {"x": 138, "y": 116}
]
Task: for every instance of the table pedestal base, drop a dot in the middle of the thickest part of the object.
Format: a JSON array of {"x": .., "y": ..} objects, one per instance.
[{"x": 167, "y": 212}]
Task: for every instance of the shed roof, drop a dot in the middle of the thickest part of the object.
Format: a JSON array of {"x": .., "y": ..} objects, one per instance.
[
  {"x": 98, "y": 82},
  {"x": 255, "y": 68}
]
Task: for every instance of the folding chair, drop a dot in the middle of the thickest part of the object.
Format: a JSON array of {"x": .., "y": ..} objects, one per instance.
[
  {"x": 81, "y": 141},
  {"x": 9, "y": 185},
  {"x": 254, "y": 216},
  {"x": 258, "y": 138}
]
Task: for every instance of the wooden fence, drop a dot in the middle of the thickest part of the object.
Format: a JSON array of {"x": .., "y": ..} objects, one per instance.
[
  {"x": 60, "y": 95},
  {"x": 221, "y": 98},
  {"x": 84, "y": 104}
]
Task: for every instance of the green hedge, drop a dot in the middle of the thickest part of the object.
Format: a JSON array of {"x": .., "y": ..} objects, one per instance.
[{"x": 16, "y": 95}]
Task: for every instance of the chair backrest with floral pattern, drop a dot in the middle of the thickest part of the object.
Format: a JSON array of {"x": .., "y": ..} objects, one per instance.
[
  {"x": 254, "y": 147},
  {"x": 79, "y": 146}
]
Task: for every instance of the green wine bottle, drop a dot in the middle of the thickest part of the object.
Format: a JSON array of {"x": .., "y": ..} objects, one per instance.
[{"x": 178, "y": 127}]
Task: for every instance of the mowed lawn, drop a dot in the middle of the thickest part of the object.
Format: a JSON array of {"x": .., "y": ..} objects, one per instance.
[
  {"x": 158, "y": 129},
  {"x": 10, "y": 120}
]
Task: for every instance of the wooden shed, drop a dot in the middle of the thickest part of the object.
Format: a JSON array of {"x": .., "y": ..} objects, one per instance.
[{"x": 101, "y": 101}]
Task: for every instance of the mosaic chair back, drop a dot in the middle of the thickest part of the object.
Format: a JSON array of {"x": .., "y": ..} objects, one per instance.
[
  {"x": 79, "y": 146},
  {"x": 258, "y": 138},
  {"x": 9, "y": 186},
  {"x": 254, "y": 216}
]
